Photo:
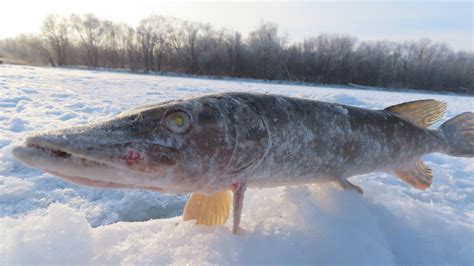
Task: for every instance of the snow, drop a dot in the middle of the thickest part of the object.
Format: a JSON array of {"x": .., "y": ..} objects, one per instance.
[
  {"x": 342, "y": 110},
  {"x": 47, "y": 220},
  {"x": 17, "y": 124}
]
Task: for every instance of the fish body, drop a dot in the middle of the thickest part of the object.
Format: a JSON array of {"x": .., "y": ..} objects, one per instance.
[
  {"x": 304, "y": 141},
  {"x": 227, "y": 142}
]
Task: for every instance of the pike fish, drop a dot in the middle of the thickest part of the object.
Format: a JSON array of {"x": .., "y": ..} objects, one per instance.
[{"x": 216, "y": 146}]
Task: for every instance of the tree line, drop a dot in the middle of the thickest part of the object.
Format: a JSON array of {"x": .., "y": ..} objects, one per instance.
[{"x": 167, "y": 44}]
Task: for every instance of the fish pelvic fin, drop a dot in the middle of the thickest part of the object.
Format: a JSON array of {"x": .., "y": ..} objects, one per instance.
[
  {"x": 418, "y": 175},
  {"x": 422, "y": 113},
  {"x": 458, "y": 134},
  {"x": 239, "y": 190},
  {"x": 208, "y": 210}
]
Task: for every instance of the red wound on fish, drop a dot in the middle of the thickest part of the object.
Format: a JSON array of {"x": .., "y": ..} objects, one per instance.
[{"x": 133, "y": 157}]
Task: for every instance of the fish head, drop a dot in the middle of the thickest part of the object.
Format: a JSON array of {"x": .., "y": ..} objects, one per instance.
[{"x": 178, "y": 146}]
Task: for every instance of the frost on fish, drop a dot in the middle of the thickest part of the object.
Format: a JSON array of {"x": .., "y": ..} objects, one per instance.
[{"x": 232, "y": 141}]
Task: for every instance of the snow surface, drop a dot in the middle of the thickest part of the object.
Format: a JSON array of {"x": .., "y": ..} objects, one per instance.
[{"x": 47, "y": 220}]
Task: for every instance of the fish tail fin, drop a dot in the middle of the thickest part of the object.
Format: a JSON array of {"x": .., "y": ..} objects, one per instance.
[{"x": 458, "y": 134}]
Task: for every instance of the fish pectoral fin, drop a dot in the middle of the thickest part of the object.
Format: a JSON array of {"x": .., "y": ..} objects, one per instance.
[
  {"x": 208, "y": 210},
  {"x": 417, "y": 175},
  {"x": 422, "y": 113},
  {"x": 346, "y": 185}
]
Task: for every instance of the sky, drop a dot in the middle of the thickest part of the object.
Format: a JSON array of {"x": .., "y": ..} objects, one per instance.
[{"x": 450, "y": 22}]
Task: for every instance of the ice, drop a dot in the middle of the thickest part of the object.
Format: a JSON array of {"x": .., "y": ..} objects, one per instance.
[{"x": 47, "y": 220}]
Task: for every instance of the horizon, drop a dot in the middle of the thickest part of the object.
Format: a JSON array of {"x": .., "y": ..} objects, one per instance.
[{"x": 449, "y": 23}]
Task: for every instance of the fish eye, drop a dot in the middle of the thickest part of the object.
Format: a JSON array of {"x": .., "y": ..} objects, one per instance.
[{"x": 177, "y": 121}]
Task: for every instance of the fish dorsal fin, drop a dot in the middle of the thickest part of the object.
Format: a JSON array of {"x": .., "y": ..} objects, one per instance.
[
  {"x": 417, "y": 175},
  {"x": 208, "y": 210},
  {"x": 422, "y": 113}
]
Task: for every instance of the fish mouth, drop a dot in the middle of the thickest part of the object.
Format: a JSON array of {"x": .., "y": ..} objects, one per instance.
[
  {"x": 32, "y": 152},
  {"x": 56, "y": 153},
  {"x": 70, "y": 166}
]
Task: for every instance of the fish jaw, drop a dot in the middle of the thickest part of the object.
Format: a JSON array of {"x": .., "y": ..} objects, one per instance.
[
  {"x": 89, "y": 156},
  {"x": 99, "y": 145},
  {"x": 79, "y": 169}
]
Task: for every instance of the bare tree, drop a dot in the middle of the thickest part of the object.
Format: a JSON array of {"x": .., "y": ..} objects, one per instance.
[
  {"x": 153, "y": 39},
  {"x": 235, "y": 51},
  {"x": 55, "y": 30},
  {"x": 26, "y": 49},
  {"x": 266, "y": 46},
  {"x": 91, "y": 32}
]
